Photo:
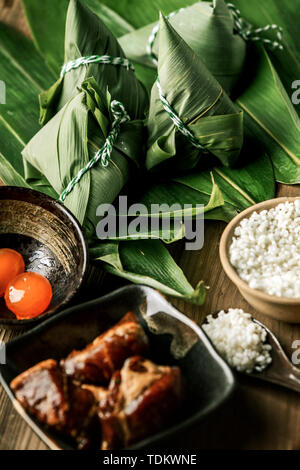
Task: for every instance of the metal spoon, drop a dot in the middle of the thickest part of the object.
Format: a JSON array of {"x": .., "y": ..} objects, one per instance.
[{"x": 281, "y": 371}]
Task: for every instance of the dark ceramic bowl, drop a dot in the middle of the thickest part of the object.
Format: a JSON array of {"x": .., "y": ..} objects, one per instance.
[
  {"x": 51, "y": 242},
  {"x": 174, "y": 339}
]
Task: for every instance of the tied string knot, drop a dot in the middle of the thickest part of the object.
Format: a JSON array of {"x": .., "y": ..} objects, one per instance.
[
  {"x": 249, "y": 33},
  {"x": 243, "y": 28},
  {"x": 104, "y": 153},
  {"x": 96, "y": 59},
  {"x": 177, "y": 121},
  {"x": 117, "y": 109}
]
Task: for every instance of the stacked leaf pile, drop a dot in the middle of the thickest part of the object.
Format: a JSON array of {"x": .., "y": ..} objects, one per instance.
[{"x": 208, "y": 115}]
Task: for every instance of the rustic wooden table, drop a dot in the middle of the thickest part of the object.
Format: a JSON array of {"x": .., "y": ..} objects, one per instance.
[{"x": 260, "y": 416}]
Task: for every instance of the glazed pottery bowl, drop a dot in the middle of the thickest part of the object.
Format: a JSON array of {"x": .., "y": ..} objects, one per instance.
[
  {"x": 51, "y": 242},
  {"x": 280, "y": 308}
]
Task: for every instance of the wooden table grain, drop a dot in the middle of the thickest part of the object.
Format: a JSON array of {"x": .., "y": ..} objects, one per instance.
[{"x": 261, "y": 416}]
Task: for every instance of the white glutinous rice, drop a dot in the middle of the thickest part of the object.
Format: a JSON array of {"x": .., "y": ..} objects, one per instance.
[
  {"x": 265, "y": 250},
  {"x": 240, "y": 341}
]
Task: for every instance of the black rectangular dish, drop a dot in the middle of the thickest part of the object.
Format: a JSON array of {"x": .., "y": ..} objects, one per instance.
[{"x": 174, "y": 340}]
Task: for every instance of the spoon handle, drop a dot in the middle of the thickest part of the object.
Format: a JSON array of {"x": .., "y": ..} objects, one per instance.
[
  {"x": 288, "y": 376},
  {"x": 281, "y": 371}
]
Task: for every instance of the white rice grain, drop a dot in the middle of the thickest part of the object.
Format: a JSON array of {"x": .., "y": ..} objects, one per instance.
[
  {"x": 265, "y": 250},
  {"x": 240, "y": 341}
]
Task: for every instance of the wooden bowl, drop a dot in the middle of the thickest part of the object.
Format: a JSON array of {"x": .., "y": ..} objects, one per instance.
[
  {"x": 280, "y": 308},
  {"x": 51, "y": 242}
]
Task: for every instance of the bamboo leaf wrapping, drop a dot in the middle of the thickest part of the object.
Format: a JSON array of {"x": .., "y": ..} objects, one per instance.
[
  {"x": 86, "y": 35},
  {"x": 69, "y": 141}
]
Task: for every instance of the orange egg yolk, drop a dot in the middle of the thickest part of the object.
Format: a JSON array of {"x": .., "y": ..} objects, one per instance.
[
  {"x": 11, "y": 264},
  {"x": 28, "y": 295}
]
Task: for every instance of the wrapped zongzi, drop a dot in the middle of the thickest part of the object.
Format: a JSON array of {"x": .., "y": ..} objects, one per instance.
[
  {"x": 191, "y": 116},
  {"x": 92, "y": 101}
]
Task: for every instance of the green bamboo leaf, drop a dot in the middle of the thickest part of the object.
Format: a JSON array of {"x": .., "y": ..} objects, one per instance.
[
  {"x": 54, "y": 18},
  {"x": 263, "y": 100},
  {"x": 147, "y": 262},
  {"x": 145, "y": 75},
  {"x": 208, "y": 29},
  {"x": 200, "y": 102},
  {"x": 206, "y": 193},
  {"x": 282, "y": 13},
  {"x": 9, "y": 176},
  {"x": 168, "y": 202},
  {"x": 140, "y": 13},
  {"x": 173, "y": 233},
  {"x": 285, "y": 169},
  {"x": 240, "y": 187},
  {"x": 25, "y": 75},
  {"x": 168, "y": 194},
  {"x": 112, "y": 20}
]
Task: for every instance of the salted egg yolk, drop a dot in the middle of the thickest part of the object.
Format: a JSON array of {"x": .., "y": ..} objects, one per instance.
[
  {"x": 11, "y": 264},
  {"x": 28, "y": 295}
]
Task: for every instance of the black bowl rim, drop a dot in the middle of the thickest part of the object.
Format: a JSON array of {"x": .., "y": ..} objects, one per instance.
[
  {"x": 46, "y": 200},
  {"x": 170, "y": 310}
]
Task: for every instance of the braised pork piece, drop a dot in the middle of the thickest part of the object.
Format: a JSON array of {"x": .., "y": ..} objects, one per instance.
[
  {"x": 142, "y": 399},
  {"x": 98, "y": 392},
  {"x": 47, "y": 393},
  {"x": 99, "y": 360},
  {"x": 108, "y": 393}
]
